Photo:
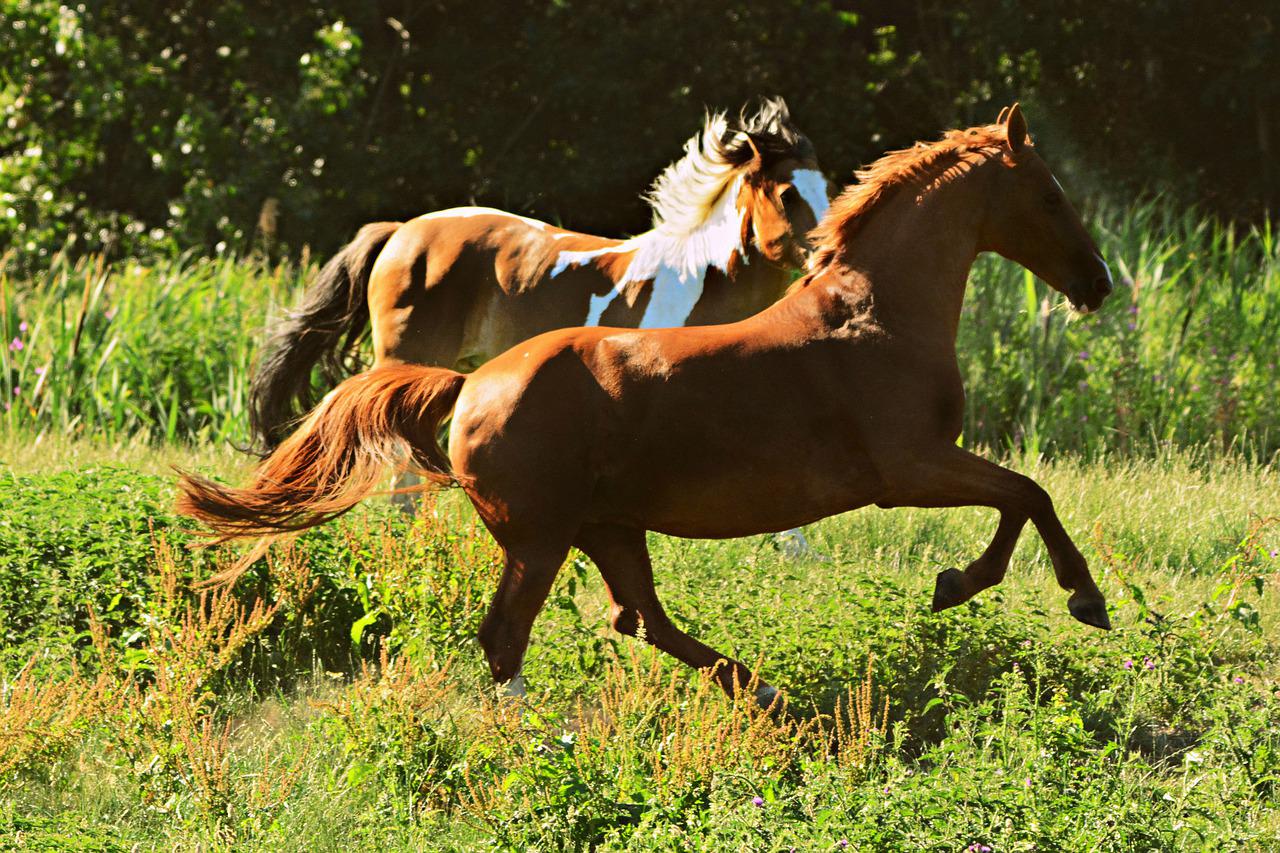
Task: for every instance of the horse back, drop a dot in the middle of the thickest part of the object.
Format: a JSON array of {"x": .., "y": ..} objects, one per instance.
[{"x": 462, "y": 285}]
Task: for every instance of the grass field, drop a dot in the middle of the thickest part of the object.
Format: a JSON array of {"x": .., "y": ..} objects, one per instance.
[
  {"x": 336, "y": 698},
  {"x": 355, "y": 709}
]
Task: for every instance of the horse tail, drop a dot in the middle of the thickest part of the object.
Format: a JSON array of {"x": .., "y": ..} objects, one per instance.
[
  {"x": 337, "y": 456},
  {"x": 336, "y": 304}
]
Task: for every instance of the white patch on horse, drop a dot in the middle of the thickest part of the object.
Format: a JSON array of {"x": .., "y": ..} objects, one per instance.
[
  {"x": 812, "y": 187},
  {"x": 466, "y": 212},
  {"x": 696, "y": 226},
  {"x": 675, "y": 262}
]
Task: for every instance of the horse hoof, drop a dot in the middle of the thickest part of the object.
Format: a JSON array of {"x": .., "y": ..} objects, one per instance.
[
  {"x": 950, "y": 589},
  {"x": 766, "y": 696},
  {"x": 794, "y": 546},
  {"x": 1091, "y": 610}
]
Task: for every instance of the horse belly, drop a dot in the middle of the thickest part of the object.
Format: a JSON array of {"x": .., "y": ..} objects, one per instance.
[{"x": 741, "y": 497}]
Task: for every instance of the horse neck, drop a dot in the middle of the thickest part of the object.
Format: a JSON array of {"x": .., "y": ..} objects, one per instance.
[{"x": 913, "y": 257}]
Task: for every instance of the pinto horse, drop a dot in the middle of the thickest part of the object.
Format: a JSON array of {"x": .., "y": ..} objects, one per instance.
[
  {"x": 456, "y": 287},
  {"x": 844, "y": 393}
]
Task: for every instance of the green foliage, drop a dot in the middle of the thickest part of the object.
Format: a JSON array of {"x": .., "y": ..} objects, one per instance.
[
  {"x": 84, "y": 541},
  {"x": 136, "y": 126},
  {"x": 74, "y": 541}
]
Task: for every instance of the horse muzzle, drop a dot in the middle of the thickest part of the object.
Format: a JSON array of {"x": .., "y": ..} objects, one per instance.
[{"x": 1088, "y": 296}]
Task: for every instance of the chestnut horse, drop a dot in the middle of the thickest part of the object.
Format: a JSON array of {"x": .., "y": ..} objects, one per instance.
[
  {"x": 843, "y": 394},
  {"x": 456, "y": 287}
]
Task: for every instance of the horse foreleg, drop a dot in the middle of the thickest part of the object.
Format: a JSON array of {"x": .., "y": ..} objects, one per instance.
[
  {"x": 956, "y": 587},
  {"x": 622, "y": 556},
  {"x": 954, "y": 477}
]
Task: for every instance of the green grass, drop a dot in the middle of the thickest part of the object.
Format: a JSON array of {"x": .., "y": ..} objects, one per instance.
[
  {"x": 1184, "y": 353},
  {"x": 1009, "y": 724}
]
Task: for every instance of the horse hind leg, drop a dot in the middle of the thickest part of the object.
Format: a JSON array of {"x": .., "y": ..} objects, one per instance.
[
  {"x": 622, "y": 556},
  {"x": 523, "y": 589}
]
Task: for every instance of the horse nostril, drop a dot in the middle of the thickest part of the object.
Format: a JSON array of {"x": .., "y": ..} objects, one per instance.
[{"x": 1102, "y": 284}]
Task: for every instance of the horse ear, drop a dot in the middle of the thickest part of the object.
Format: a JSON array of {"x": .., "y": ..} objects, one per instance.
[
  {"x": 1004, "y": 111},
  {"x": 1015, "y": 129}
]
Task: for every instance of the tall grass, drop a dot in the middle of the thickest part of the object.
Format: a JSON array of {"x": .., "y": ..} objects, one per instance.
[
  {"x": 1185, "y": 352},
  {"x": 160, "y": 350}
]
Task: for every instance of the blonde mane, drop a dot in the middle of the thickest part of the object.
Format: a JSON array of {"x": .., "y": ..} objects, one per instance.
[
  {"x": 688, "y": 191},
  {"x": 925, "y": 166},
  {"x": 684, "y": 194}
]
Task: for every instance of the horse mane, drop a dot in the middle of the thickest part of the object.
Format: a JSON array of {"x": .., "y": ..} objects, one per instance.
[
  {"x": 925, "y": 165},
  {"x": 685, "y": 193}
]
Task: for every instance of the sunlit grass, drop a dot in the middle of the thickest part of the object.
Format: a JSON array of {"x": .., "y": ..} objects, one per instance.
[{"x": 1002, "y": 707}]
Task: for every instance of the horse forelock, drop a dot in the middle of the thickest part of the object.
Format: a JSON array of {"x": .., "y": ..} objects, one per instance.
[{"x": 925, "y": 166}]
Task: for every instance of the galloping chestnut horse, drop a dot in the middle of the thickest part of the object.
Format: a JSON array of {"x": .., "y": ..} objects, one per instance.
[
  {"x": 843, "y": 394},
  {"x": 456, "y": 287}
]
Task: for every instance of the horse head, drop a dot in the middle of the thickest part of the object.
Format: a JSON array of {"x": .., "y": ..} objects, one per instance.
[
  {"x": 1029, "y": 220},
  {"x": 783, "y": 192}
]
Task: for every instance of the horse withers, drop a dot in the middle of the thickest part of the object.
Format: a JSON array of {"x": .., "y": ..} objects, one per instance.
[
  {"x": 456, "y": 287},
  {"x": 843, "y": 394}
]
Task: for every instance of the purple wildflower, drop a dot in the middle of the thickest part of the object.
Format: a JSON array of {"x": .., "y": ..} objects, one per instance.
[
  {"x": 1275, "y": 552},
  {"x": 16, "y": 344},
  {"x": 842, "y": 843},
  {"x": 1148, "y": 663},
  {"x": 1133, "y": 309},
  {"x": 1084, "y": 355},
  {"x": 17, "y": 389},
  {"x": 1133, "y": 326},
  {"x": 22, "y": 327},
  {"x": 1238, "y": 680},
  {"x": 1128, "y": 664},
  {"x": 758, "y": 802},
  {"x": 39, "y": 371}
]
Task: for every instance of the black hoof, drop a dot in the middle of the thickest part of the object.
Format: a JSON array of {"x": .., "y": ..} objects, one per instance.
[
  {"x": 1090, "y": 611},
  {"x": 950, "y": 589}
]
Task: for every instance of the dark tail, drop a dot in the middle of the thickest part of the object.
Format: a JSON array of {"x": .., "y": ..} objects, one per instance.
[
  {"x": 338, "y": 455},
  {"x": 335, "y": 305}
]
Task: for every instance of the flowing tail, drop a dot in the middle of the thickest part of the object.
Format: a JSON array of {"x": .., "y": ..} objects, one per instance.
[
  {"x": 336, "y": 304},
  {"x": 337, "y": 456}
]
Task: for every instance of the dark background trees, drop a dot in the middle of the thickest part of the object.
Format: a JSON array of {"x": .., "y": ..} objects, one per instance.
[{"x": 137, "y": 126}]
